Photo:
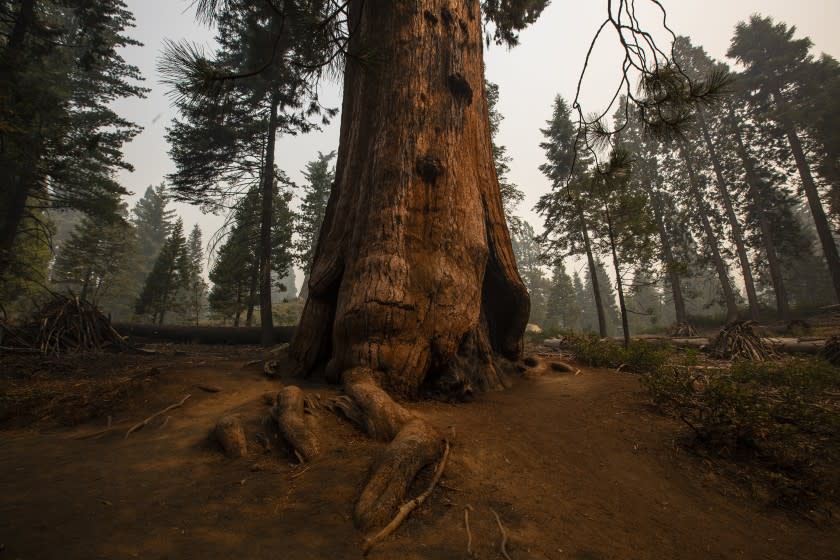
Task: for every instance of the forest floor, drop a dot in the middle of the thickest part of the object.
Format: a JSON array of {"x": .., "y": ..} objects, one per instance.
[{"x": 576, "y": 466}]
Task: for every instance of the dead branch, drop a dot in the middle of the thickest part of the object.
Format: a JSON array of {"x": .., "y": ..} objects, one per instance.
[
  {"x": 409, "y": 506},
  {"x": 738, "y": 340},
  {"x": 467, "y": 525},
  {"x": 156, "y": 414},
  {"x": 504, "y": 535}
]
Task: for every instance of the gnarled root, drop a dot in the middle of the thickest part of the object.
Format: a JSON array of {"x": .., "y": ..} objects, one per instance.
[
  {"x": 289, "y": 416},
  {"x": 414, "y": 444}
]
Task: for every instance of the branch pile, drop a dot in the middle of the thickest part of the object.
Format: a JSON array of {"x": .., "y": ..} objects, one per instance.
[
  {"x": 737, "y": 340},
  {"x": 72, "y": 325},
  {"x": 831, "y": 350},
  {"x": 681, "y": 330}
]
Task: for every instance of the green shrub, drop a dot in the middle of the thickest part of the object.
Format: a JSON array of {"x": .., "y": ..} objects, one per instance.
[
  {"x": 639, "y": 357},
  {"x": 783, "y": 415}
]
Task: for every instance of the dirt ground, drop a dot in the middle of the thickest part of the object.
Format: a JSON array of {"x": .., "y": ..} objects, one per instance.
[{"x": 576, "y": 466}]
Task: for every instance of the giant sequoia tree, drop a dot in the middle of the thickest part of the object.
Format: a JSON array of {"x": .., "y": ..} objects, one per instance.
[{"x": 413, "y": 285}]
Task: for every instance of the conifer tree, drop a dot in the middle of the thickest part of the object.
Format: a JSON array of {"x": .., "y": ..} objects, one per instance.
[
  {"x": 562, "y": 310},
  {"x": 168, "y": 277},
  {"x": 91, "y": 261},
  {"x": 319, "y": 175},
  {"x": 195, "y": 297},
  {"x": 777, "y": 67},
  {"x": 512, "y": 195},
  {"x": 60, "y": 71}
]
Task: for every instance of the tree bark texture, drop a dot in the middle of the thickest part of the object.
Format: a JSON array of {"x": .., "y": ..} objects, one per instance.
[
  {"x": 734, "y": 225},
  {"x": 414, "y": 278},
  {"x": 266, "y": 219},
  {"x": 670, "y": 261},
  {"x": 711, "y": 238},
  {"x": 754, "y": 186},
  {"x": 812, "y": 194}
]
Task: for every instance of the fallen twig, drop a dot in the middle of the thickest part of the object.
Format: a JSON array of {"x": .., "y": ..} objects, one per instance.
[
  {"x": 504, "y": 535},
  {"x": 408, "y": 507},
  {"x": 467, "y": 525},
  {"x": 301, "y": 471},
  {"x": 155, "y": 415}
]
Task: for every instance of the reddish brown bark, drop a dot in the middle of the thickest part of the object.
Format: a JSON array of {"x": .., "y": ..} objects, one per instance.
[{"x": 414, "y": 277}]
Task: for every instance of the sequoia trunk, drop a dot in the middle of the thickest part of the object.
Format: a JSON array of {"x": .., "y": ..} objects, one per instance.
[{"x": 414, "y": 277}]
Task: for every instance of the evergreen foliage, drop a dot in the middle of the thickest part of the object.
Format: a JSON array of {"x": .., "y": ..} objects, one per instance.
[
  {"x": 60, "y": 72},
  {"x": 170, "y": 274}
]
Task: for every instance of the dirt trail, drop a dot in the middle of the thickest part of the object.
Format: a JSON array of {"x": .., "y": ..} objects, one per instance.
[{"x": 576, "y": 466}]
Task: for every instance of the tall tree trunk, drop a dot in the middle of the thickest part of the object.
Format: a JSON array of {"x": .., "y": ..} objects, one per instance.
[
  {"x": 680, "y": 316},
  {"x": 18, "y": 151},
  {"x": 266, "y": 220},
  {"x": 619, "y": 284},
  {"x": 767, "y": 236},
  {"x": 414, "y": 283},
  {"x": 711, "y": 238},
  {"x": 811, "y": 193},
  {"x": 252, "y": 293},
  {"x": 737, "y": 232},
  {"x": 593, "y": 275}
]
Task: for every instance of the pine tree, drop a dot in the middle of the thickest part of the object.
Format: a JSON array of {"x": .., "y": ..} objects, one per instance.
[
  {"x": 562, "y": 310},
  {"x": 195, "y": 297},
  {"x": 528, "y": 256},
  {"x": 90, "y": 263},
  {"x": 213, "y": 91},
  {"x": 168, "y": 276},
  {"x": 777, "y": 67},
  {"x": 512, "y": 195},
  {"x": 230, "y": 275},
  {"x": 319, "y": 175},
  {"x": 60, "y": 71},
  {"x": 567, "y": 226},
  {"x": 152, "y": 225}
]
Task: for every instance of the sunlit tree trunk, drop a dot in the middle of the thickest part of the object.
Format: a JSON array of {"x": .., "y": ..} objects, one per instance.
[
  {"x": 414, "y": 276},
  {"x": 414, "y": 284}
]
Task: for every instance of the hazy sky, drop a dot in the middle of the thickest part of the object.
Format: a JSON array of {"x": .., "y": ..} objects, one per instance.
[{"x": 547, "y": 62}]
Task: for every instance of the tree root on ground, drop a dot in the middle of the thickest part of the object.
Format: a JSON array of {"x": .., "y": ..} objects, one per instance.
[
  {"x": 414, "y": 444},
  {"x": 288, "y": 413},
  {"x": 407, "y": 507}
]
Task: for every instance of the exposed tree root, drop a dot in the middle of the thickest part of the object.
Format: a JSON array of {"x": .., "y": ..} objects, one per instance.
[
  {"x": 408, "y": 507},
  {"x": 414, "y": 444},
  {"x": 503, "y": 545},
  {"x": 289, "y": 413},
  {"x": 139, "y": 425}
]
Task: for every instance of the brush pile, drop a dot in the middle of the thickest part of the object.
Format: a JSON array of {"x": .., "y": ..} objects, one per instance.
[
  {"x": 63, "y": 325},
  {"x": 73, "y": 325},
  {"x": 737, "y": 340},
  {"x": 682, "y": 330},
  {"x": 831, "y": 350}
]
